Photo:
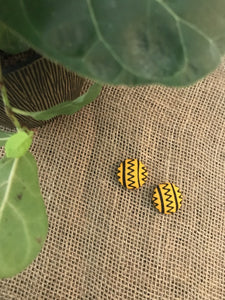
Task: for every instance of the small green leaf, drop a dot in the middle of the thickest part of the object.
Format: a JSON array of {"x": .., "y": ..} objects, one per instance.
[
  {"x": 23, "y": 219},
  {"x": 4, "y": 136},
  {"x": 64, "y": 108},
  {"x": 18, "y": 144}
]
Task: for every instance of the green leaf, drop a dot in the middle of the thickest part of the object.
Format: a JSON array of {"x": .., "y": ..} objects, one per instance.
[
  {"x": 65, "y": 108},
  {"x": 4, "y": 136},
  {"x": 18, "y": 144},
  {"x": 23, "y": 220},
  {"x": 124, "y": 42},
  {"x": 9, "y": 42}
]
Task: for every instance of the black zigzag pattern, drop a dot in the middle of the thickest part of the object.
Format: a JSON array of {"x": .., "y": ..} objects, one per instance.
[
  {"x": 155, "y": 199},
  {"x": 170, "y": 205},
  {"x": 129, "y": 174},
  {"x": 144, "y": 174}
]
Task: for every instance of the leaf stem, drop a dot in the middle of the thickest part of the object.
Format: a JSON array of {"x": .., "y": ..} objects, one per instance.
[
  {"x": 8, "y": 107},
  {"x": 20, "y": 112}
]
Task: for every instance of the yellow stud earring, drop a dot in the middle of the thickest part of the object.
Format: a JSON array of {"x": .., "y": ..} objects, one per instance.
[
  {"x": 167, "y": 198},
  {"x": 132, "y": 173}
]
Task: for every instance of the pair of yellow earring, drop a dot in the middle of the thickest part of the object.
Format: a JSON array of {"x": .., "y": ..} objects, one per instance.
[{"x": 166, "y": 197}]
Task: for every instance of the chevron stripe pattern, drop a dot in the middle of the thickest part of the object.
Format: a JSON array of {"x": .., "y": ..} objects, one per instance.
[
  {"x": 132, "y": 173},
  {"x": 167, "y": 198}
]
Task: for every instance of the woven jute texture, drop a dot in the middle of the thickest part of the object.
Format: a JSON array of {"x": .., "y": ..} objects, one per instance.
[{"x": 107, "y": 242}]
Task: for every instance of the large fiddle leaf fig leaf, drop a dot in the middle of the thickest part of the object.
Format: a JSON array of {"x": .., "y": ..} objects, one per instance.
[
  {"x": 10, "y": 42},
  {"x": 124, "y": 42},
  {"x": 23, "y": 220}
]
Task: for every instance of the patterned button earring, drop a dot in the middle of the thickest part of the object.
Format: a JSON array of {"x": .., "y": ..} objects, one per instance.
[
  {"x": 132, "y": 173},
  {"x": 167, "y": 198}
]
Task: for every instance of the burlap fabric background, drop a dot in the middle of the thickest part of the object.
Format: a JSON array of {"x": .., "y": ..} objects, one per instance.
[{"x": 106, "y": 242}]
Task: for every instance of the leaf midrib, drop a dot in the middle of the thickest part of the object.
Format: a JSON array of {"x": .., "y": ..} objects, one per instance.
[{"x": 8, "y": 188}]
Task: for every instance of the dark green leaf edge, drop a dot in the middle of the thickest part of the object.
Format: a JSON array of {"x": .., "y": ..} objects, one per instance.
[{"x": 144, "y": 81}]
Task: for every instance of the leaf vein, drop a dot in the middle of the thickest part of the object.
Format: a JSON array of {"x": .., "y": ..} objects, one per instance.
[
  {"x": 7, "y": 191},
  {"x": 3, "y": 183},
  {"x": 26, "y": 232},
  {"x": 178, "y": 19},
  {"x": 102, "y": 39}
]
